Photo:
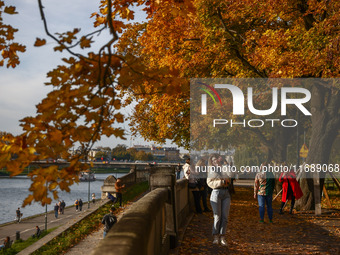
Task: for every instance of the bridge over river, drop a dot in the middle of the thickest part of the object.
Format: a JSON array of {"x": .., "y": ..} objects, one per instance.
[{"x": 111, "y": 164}]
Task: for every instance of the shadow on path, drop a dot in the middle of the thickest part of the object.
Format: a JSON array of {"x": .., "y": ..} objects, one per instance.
[{"x": 289, "y": 234}]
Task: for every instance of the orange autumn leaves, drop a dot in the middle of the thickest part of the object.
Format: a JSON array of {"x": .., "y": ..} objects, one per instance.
[
  {"x": 9, "y": 49},
  {"x": 151, "y": 64}
]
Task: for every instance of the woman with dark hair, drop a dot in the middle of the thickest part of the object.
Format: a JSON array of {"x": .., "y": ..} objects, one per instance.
[
  {"x": 7, "y": 243},
  {"x": 290, "y": 189},
  {"x": 219, "y": 199},
  {"x": 263, "y": 190}
]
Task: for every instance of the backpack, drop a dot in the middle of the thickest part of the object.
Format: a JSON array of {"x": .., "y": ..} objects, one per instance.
[{"x": 109, "y": 220}]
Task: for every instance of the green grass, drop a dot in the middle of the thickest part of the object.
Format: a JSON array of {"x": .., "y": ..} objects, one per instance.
[
  {"x": 79, "y": 231},
  {"x": 20, "y": 244}
]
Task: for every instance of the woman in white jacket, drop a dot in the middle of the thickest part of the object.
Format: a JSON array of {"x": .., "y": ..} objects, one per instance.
[{"x": 219, "y": 199}]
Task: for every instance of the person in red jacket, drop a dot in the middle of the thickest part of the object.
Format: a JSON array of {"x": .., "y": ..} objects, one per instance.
[{"x": 290, "y": 189}]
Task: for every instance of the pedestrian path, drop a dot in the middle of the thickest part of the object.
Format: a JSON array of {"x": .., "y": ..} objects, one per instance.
[
  {"x": 300, "y": 233},
  {"x": 89, "y": 243},
  {"x": 27, "y": 228}
]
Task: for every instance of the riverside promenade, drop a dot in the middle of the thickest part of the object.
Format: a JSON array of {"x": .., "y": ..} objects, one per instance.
[
  {"x": 27, "y": 226},
  {"x": 300, "y": 233}
]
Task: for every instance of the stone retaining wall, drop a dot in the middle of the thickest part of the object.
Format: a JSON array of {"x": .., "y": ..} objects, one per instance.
[{"x": 151, "y": 225}]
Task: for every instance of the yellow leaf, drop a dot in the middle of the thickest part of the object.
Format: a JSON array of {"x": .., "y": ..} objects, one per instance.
[
  {"x": 53, "y": 185},
  {"x": 10, "y": 10},
  {"x": 39, "y": 42},
  {"x": 31, "y": 150},
  {"x": 56, "y": 136},
  {"x": 85, "y": 43}
]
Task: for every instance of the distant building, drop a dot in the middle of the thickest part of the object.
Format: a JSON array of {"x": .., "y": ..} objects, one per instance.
[
  {"x": 93, "y": 152},
  {"x": 172, "y": 153},
  {"x": 165, "y": 153},
  {"x": 159, "y": 152},
  {"x": 146, "y": 149}
]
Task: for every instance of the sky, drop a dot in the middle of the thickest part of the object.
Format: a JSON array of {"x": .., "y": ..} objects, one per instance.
[{"x": 22, "y": 88}]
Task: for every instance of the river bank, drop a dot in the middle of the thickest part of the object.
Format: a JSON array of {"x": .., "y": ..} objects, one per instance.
[{"x": 15, "y": 189}]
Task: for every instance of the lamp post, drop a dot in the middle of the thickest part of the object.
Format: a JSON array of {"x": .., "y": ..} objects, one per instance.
[
  {"x": 88, "y": 194},
  {"x": 46, "y": 210}
]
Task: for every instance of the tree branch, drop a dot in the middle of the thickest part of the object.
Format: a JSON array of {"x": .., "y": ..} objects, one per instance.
[{"x": 235, "y": 48}]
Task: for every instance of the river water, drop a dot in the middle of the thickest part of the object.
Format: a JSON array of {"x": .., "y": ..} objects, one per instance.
[{"x": 14, "y": 190}]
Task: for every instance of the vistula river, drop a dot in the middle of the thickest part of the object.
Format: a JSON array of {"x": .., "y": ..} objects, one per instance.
[{"x": 14, "y": 190}]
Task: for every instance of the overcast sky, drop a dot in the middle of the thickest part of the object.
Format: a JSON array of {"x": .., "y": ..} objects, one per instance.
[{"x": 23, "y": 87}]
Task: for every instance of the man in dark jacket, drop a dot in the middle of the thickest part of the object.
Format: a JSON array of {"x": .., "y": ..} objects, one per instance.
[
  {"x": 56, "y": 210},
  {"x": 37, "y": 232},
  {"x": 80, "y": 204},
  {"x": 109, "y": 220}
]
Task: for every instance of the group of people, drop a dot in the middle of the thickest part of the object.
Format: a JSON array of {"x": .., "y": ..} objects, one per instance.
[
  {"x": 220, "y": 185},
  {"x": 59, "y": 208},
  {"x": 264, "y": 187},
  {"x": 8, "y": 242},
  {"x": 110, "y": 219},
  {"x": 78, "y": 204}
]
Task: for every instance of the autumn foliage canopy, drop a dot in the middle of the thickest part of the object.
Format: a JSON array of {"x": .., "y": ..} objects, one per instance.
[{"x": 151, "y": 63}]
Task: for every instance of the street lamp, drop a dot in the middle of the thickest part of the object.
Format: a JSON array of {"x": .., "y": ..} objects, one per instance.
[
  {"x": 88, "y": 194},
  {"x": 46, "y": 210}
]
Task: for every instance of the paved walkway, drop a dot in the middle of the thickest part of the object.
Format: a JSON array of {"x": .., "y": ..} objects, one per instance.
[
  {"x": 300, "y": 233},
  {"x": 89, "y": 243},
  {"x": 27, "y": 226}
]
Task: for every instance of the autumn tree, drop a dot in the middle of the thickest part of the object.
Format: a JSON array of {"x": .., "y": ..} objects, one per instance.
[
  {"x": 151, "y": 63},
  {"x": 265, "y": 39},
  {"x": 83, "y": 105},
  {"x": 9, "y": 48}
]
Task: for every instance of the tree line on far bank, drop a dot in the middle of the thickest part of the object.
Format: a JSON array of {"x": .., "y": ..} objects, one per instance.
[{"x": 121, "y": 152}]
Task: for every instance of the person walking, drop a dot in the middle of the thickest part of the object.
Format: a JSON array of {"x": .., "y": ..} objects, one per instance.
[
  {"x": 193, "y": 184},
  {"x": 76, "y": 203},
  {"x": 119, "y": 187},
  {"x": 291, "y": 189},
  {"x": 56, "y": 210},
  {"x": 80, "y": 204},
  {"x": 263, "y": 190},
  {"x": 178, "y": 170},
  {"x": 18, "y": 215},
  {"x": 93, "y": 198},
  {"x": 219, "y": 199},
  {"x": 203, "y": 186},
  {"x": 63, "y": 205},
  {"x": 109, "y": 220}
]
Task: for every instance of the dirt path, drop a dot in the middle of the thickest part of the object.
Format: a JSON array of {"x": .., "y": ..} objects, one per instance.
[{"x": 289, "y": 234}]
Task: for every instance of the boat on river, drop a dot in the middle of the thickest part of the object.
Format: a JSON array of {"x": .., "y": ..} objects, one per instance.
[{"x": 86, "y": 176}]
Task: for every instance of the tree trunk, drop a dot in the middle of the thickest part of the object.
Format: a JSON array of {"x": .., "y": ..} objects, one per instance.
[{"x": 325, "y": 105}]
